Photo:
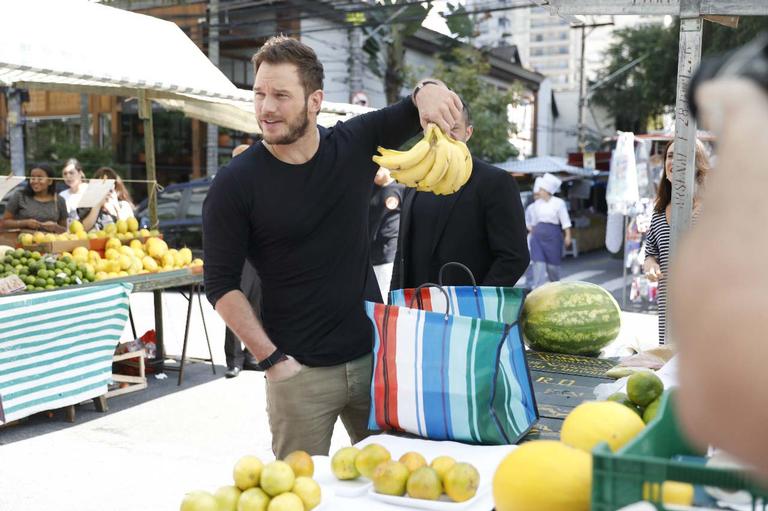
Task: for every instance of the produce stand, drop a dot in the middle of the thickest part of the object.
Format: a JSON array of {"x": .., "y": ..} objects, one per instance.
[
  {"x": 77, "y": 296},
  {"x": 49, "y": 360},
  {"x": 156, "y": 283}
]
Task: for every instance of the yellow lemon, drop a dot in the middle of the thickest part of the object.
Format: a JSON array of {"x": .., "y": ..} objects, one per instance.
[
  {"x": 122, "y": 226},
  {"x": 149, "y": 264},
  {"x": 186, "y": 255},
  {"x": 543, "y": 475},
  {"x": 113, "y": 243},
  {"x": 38, "y": 237},
  {"x": 76, "y": 226},
  {"x": 133, "y": 224},
  {"x": 593, "y": 422},
  {"x": 26, "y": 238}
]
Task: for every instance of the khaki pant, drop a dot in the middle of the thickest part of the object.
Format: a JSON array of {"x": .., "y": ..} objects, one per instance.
[{"x": 303, "y": 409}]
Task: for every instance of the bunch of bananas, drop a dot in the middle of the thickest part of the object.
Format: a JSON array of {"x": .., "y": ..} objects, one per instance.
[{"x": 437, "y": 163}]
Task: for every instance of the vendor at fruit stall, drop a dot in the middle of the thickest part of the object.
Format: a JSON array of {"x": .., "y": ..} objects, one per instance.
[
  {"x": 74, "y": 178},
  {"x": 116, "y": 205},
  {"x": 37, "y": 206}
]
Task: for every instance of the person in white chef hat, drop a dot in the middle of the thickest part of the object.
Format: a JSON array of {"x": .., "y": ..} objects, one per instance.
[{"x": 550, "y": 226}]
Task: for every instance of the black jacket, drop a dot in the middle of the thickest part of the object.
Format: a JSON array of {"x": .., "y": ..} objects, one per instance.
[{"x": 481, "y": 226}]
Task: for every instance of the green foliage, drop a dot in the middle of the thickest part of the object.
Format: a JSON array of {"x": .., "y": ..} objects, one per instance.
[
  {"x": 461, "y": 69},
  {"x": 5, "y": 166},
  {"x": 384, "y": 41},
  {"x": 637, "y": 97},
  {"x": 648, "y": 89},
  {"x": 53, "y": 144},
  {"x": 718, "y": 38}
]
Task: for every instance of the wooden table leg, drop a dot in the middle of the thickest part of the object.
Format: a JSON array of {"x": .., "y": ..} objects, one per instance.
[
  {"x": 70, "y": 413},
  {"x": 101, "y": 403}
]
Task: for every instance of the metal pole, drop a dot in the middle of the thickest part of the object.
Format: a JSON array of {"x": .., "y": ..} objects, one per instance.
[
  {"x": 582, "y": 142},
  {"x": 16, "y": 132},
  {"x": 356, "y": 61},
  {"x": 684, "y": 162},
  {"x": 212, "y": 144},
  {"x": 624, "y": 265},
  {"x": 85, "y": 139},
  {"x": 145, "y": 114}
]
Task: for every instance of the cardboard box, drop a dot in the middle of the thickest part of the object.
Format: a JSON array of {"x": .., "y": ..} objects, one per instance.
[{"x": 57, "y": 247}]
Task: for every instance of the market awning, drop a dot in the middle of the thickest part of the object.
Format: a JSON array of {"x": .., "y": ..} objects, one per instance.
[
  {"x": 85, "y": 47},
  {"x": 544, "y": 164}
]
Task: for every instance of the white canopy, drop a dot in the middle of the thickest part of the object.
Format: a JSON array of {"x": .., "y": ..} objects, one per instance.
[
  {"x": 542, "y": 165},
  {"x": 80, "y": 46}
]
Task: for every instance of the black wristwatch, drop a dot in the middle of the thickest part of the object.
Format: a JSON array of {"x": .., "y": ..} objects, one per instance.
[
  {"x": 276, "y": 357},
  {"x": 421, "y": 86}
]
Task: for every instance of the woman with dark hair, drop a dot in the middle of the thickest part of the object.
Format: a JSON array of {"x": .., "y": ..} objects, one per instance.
[
  {"x": 116, "y": 205},
  {"x": 74, "y": 178},
  {"x": 37, "y": 206},
  {"x": 657, "y": 241}
]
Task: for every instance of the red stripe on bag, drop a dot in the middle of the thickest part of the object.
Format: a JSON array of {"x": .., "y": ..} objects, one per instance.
[
  {"x": 391, "y": 368},
  {"x": 407, "y": 297},
  {"x": 426, "y": 298},
  {"x": 379, "y": 387}
]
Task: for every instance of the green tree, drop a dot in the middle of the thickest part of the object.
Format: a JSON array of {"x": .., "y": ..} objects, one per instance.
[
  {"x": 637, "y": 98},
  {"x": 391, "y": 25},
  {"x": 645, "y": 91},
  {"x": 462, "y": 69}
]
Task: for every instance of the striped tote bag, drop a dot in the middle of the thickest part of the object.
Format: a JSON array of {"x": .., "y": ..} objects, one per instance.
[
  {"x": 449, "y": 377},
  {"x": 502, "y": 304}
]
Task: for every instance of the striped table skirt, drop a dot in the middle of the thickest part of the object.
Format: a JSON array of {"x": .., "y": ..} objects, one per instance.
[{"x": 56, "y": 347}]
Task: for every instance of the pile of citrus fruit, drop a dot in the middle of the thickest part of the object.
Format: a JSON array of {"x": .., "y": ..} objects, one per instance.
[
  {"x": 282, "y": 485},
  {"x": 409, "y": 475}
]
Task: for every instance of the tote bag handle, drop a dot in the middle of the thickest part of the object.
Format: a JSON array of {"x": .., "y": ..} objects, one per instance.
[
  {"x": 463, "y": 267},
  {"x": 417, "y": 296}
]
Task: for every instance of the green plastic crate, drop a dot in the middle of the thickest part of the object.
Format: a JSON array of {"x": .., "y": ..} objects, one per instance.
[{"x": 617, "y": 478}]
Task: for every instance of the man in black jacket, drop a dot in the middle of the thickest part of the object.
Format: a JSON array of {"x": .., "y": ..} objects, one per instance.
[{"x": 481, "y": 226}]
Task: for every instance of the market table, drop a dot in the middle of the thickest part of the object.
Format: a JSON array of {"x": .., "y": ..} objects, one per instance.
[
  {"x": 560, "y": 383},
  {"x": 56, "y": 347},
  {"x": 156, "y": 283},
  {"x": 355, "y": 496}
]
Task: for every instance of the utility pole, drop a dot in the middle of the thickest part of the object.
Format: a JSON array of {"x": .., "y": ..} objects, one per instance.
[
  {"x": 583, "y": 81},
  {"x": 16, "y": 131},
  {"x": 355, "y": 36},
  {"x": 85, "y": 139},
  {"x": 582, "y": 99},
  {"x": 212, "y": 143}
]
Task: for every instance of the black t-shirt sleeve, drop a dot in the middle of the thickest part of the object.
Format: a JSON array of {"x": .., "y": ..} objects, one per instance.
[
  {"x": 388, "y": 127},
  {"x": 226, "y": 229},
  {"x": 14, "y": 204}
]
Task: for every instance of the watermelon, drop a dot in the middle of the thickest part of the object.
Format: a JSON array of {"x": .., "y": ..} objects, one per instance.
[{"x": 576, "y": 318}]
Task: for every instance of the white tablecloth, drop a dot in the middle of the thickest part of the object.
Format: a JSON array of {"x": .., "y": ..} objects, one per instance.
[{"x": 484, "y": 458}]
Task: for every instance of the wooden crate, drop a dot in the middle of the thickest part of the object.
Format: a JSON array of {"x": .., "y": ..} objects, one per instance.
[
  {"x": 57, "y": 247},
  {"x": 134, "y": 382}
]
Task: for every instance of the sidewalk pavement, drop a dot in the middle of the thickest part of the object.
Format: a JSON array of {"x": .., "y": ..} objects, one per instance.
[{"x": 154, "y": 445}]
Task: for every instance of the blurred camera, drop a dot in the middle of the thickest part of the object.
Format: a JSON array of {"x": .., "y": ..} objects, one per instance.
[{"x": 750, "y": 61}]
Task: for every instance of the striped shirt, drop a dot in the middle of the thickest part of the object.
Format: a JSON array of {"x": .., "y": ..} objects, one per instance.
[{"x": 657, "y": 246}]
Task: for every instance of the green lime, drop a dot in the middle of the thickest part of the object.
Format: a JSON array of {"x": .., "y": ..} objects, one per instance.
[
  {"x": 644, "y": 387},
  {"x": 622, "y": 398},
  {"x": 651, "y": 410},
  {"x": 40, "y": 282}
]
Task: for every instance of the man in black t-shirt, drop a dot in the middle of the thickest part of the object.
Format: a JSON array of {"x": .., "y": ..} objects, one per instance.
[
  {"x": 383, "y": 225},
  {"x": 296, "y": 206}
]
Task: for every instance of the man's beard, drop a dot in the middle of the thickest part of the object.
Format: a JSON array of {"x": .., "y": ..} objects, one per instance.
[{"x": 296, "y": 130}]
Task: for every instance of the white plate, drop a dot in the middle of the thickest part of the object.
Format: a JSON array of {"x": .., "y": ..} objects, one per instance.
[
  {"x": 442, "y": 504},
  {"x": 325, "y": 478}
]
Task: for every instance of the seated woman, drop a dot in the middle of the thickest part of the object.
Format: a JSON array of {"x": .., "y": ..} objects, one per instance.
[
  {"x": 116, "y": 205},
  {"x": 37, "y": 206}
]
